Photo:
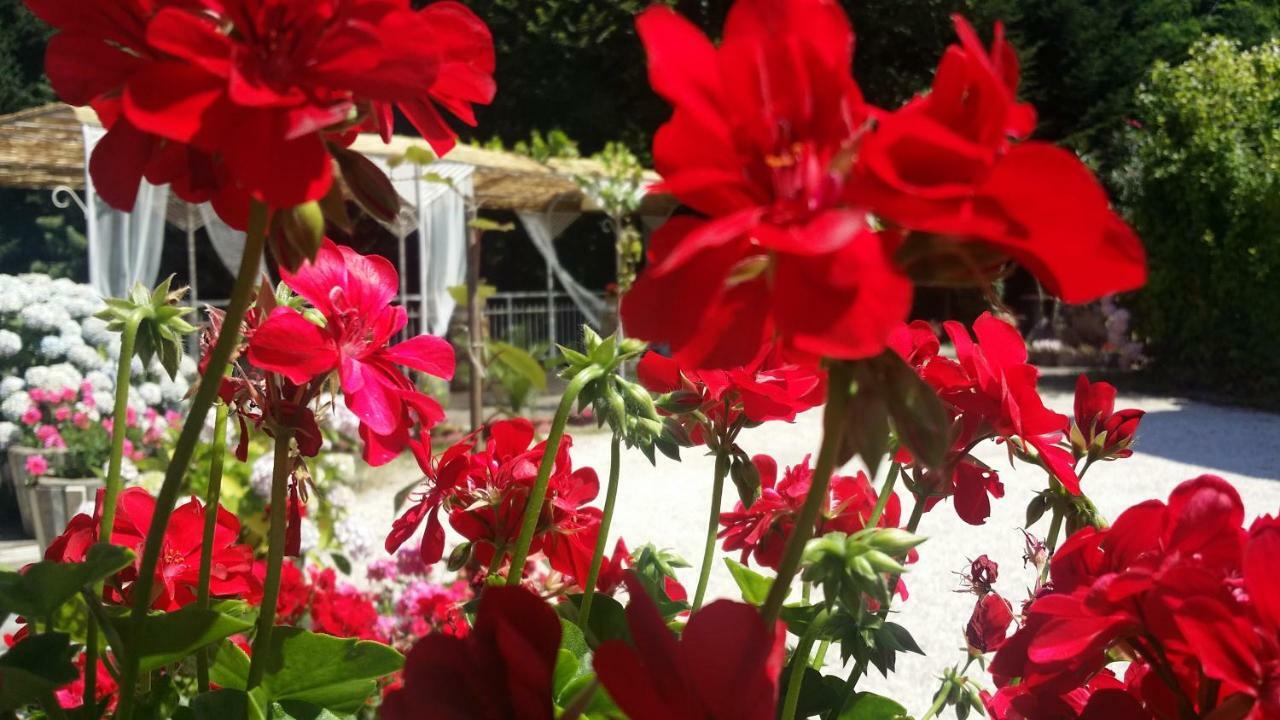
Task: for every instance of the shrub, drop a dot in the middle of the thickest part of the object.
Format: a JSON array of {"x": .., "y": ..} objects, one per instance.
[{"x": 1203, "y": 186}]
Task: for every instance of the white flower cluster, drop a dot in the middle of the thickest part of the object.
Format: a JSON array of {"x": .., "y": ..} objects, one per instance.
[
  {"x": 260, "y": 475},
  {"x": 10, "y": 343},
  {"x": 13, "y": 407},
  {"x": 8, "y": 434},
  {"x": 53, "y": 377},
  {"x": 10, "y": 385},
  {"x": 355, "y": 541}
]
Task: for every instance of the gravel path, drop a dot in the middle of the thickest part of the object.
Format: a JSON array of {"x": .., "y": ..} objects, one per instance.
[{"x": 1178, "y": 440}]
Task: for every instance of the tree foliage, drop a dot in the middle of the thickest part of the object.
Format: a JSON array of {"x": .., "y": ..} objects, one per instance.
[{"x": 1203, "y": 183}]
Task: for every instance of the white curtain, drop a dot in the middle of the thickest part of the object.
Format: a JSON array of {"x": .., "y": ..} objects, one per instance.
[
  {"x": 227, "y": 242},
  {"x": 124, "y": 247},
  {"x": 434, "y": 202},
  {"x": 543, "y": 229}
]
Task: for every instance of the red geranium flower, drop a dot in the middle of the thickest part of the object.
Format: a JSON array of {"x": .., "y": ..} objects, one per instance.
[
  {"x": 218, "y": 96},
  {"x": 762, "y": 530},
  {"x": 1097, "y": 422},
  {"x": 988, "y": 624},
  {"x": 341, "y": 609},
  {"x": 762, "y": 141},
  {"x": 484, "y": 494},
  {"x": 178, "y": 569},
  {"x": 501, "y": 670},
  {"x": 354, "y": 292},
  {"x": 724, "y": 666},
  {"x": 946, "y": 164}
]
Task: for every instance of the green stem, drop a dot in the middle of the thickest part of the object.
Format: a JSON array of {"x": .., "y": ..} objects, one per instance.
[
  {"x": 886, "y": 492},
  {"x": 602, "y": 539},
  {"x": 838, "y": 382},
  {"x": 939, "y": 701},
  {"x": 241, "y": 296},
  {"x": 211, "y": 504},
  {"x": 538, "y": 494},
  {"x": 713, "y": 525},
  {"x": 111, "y": 493},
  {"x": 280, "y": 472},
  {"x": 1051, "y": 542},
  {"x": 119, "y": 428},
  {"x": 800, "y": 663}
]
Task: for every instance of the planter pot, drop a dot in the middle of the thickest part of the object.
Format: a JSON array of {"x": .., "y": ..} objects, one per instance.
[{"x": 46, "y": 503}]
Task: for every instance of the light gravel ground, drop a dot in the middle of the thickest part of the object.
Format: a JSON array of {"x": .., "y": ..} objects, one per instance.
[{"x": 1178, "y": 440}]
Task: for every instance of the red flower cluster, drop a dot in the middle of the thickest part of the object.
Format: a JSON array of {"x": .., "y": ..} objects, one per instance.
[
  {"x": 233, "y": 100},
  {"x": 484, "y": 493},
  {"x": 353, "y": 293},
  {"x": 724, "y": 666},
  {"x": 341, "y": 609},
  {"x": 502, "y": 669},
  {"x": 1181, "y": 590},
  {"x": 771, "y": 141},
  {"x": 992, "y": 615},
  {"x": 178, "y": 570},
  {"x": 762, "y": 530},
  {"x": 1101, "y": 431},
  {"x": 764, "y": 389},
  {"x": 990, "y": 391}
]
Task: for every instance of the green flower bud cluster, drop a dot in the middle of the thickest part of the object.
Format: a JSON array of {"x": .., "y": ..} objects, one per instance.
[
  {"x": 850, "y": 567},
  {"x": 159, "y": 318}
]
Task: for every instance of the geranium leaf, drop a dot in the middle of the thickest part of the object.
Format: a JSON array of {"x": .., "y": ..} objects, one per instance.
[
  {"x": 169, "y": 637},
  {"x": 753, "y": 585},
  {"x": 230, "y": 668},
  {"x": 293, "y": 710},
  {"x": 918, "y": 415},
  {"x": 337, "y": 674},
  {"x": 572, "y": 639},
  {"x": 46, "y": 586},
  {"x": 35, "y": 667},
  {"x": 870, "y": 706}
]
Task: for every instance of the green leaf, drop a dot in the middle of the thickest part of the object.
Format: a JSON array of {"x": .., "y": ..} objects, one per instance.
[
  {"x": 35, "y": 667},
  {"x": 870, "y": 706},
  {"x": 166, "y": 638},
  {"x": 341, "y": 562},
  {"x": 866, "y": 419},
  {"x": 572, "y": 639},
  {"x": 160, "y": 702},
  {"x": 567, "y": 668},
  {"x": 487, "y": 225},
  {"x": 753, "y": 586},
  {"x": 519, "y": 362},
  {"x": 222, "y": 704},
  {"x": 230, "y": 667},
  {"x": 46, "y": 585},
  {"x": 337, "y": 674},
  {"x": 368, "y": 184},
  {"x": 294, "y": 710}
]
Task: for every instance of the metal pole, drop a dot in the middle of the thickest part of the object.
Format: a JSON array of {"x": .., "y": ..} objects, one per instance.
[{"x": 474, "y": 329}]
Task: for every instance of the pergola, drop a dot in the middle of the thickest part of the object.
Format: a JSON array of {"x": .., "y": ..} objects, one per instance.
[{"x": 45, "y": 148}]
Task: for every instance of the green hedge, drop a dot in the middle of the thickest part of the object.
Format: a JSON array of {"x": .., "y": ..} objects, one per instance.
[{"x": 1203, "y": 187}]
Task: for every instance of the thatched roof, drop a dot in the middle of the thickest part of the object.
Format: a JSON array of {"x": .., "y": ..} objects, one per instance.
[{"x": 43, "y": 147}]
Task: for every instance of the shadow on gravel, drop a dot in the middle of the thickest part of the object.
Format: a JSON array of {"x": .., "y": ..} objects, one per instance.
[{"x": 1223, "y": 439}]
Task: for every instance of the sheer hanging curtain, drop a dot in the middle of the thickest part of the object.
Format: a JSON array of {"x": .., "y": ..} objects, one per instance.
[
  {"x": 124, "y": 248},
  {"x": 227, "y": 242},
  {"x": 543, "y": 229},
  {"x": 436, "y": 208}
]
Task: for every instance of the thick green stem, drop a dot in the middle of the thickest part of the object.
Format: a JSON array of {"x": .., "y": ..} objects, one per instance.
[
  {"x": 838, "y": 383},
  {"x": 241, "y": 296},
  {"x": 713, "y": 526},
  {"x": 602, "y": 539},
  {"x": 119, "y": 428},
  {"x": 281, "y": 469},
  {"x": 800, "y": 663},
  {"x": 538, "y": 494},
  {"x": 216, "y": 454},
  {"x": 1051, "y": 542}
]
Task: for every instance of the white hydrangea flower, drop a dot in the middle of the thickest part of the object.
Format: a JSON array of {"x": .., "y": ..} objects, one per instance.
[
  {"x": 53, "y": 347},
  {"x": 149, "y": 393},
  {"x": 340, "y": 496},
  {"x": 10, "y": 385},
  {"x": 104, "y": 399},
  {"x": 173, "y": 391},
  {"x": 8, "y": 434},
  {"x": 260, "y": 475},
  {"x": 84, "y": 357},
  {"x": 10, "y": 343},
  {"x": 13, "y": 407},
  {"x": 14, "y": 296},
  {"x": 353, "y": 538},
  {"x": 78, "y": 305},
  {"x": 71, "y": 331},
  {"x": 43, "y": 316},
  {"x": 309, "y": 535},
  {"x": 53, "y": 377},
  {"x": 340, "y": 418},
  {"x": 188, "y": 368},
  {"x": 94, "y": 331}
]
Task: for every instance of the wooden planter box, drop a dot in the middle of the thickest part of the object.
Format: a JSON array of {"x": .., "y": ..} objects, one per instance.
[{"x": 48, "y": 502}]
